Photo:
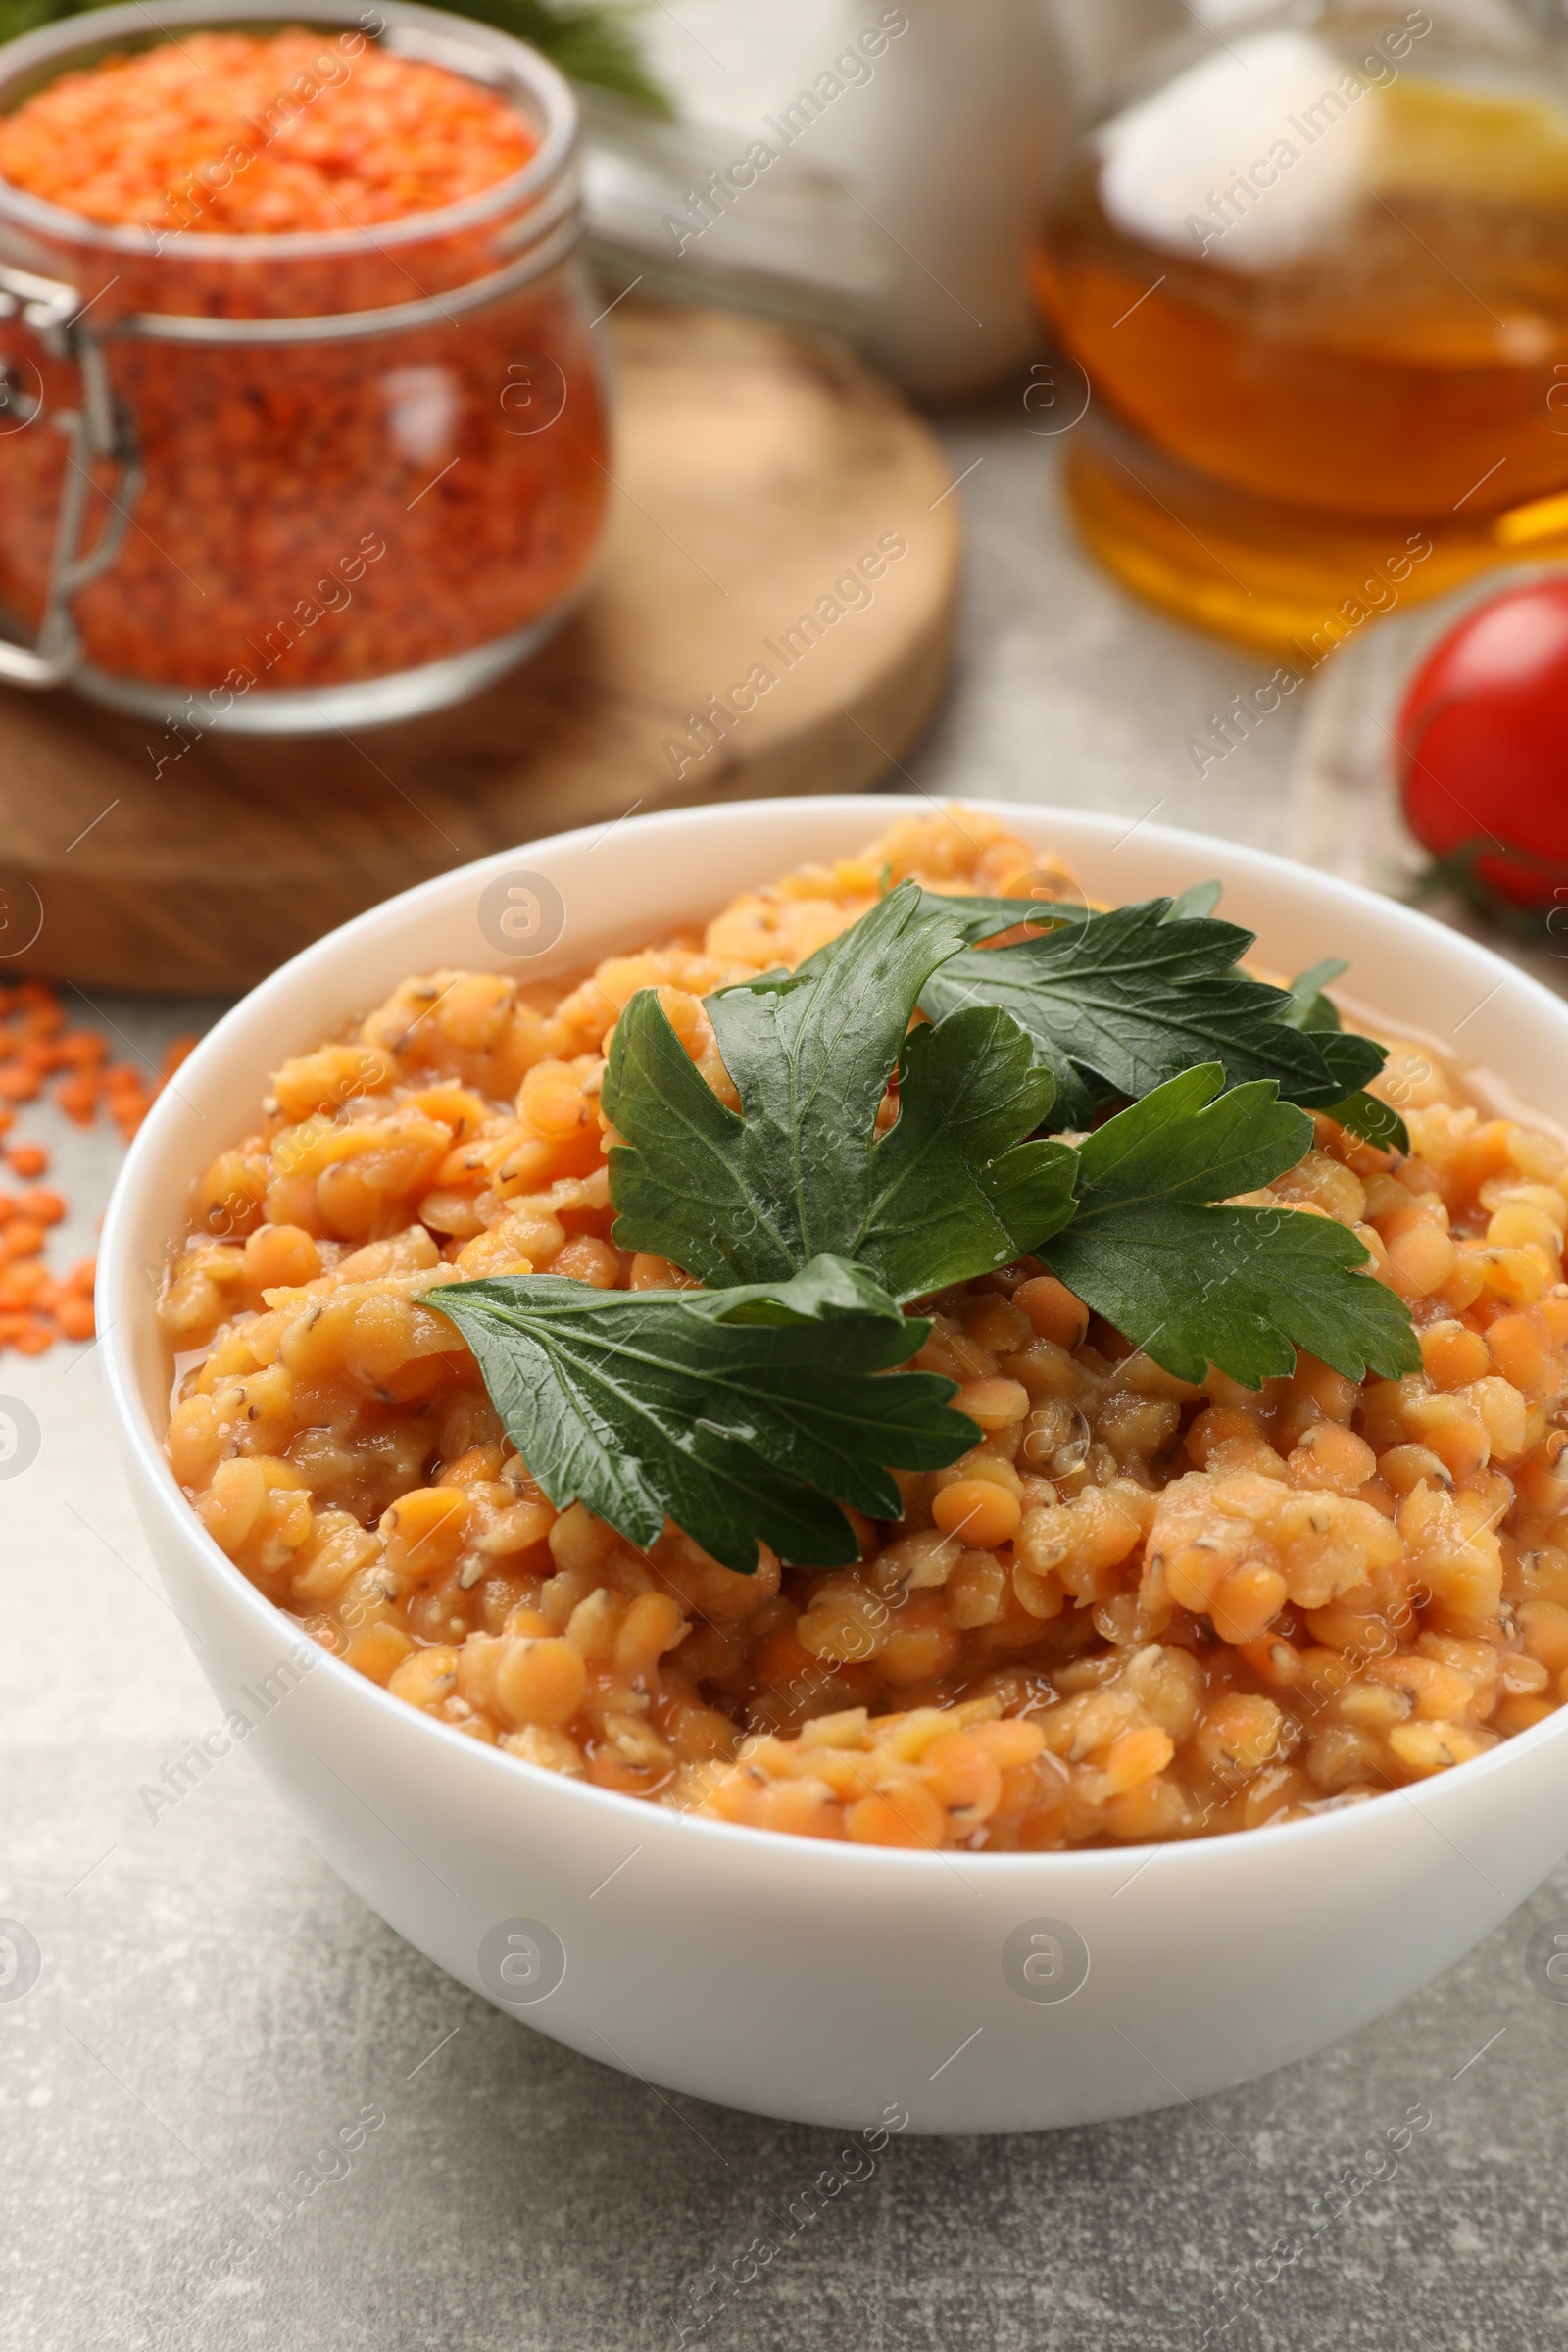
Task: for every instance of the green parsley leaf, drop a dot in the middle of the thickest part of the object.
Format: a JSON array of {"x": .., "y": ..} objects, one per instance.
[
  {"x": 1347, "y": 1056},
  {"x": 1349, "y": 1059},
  {"x": 984, "y": 918},
  {"x": 1352, "y": 1059},
  {"x": 1191, "y": 1143},
  {"x": 1196, "y": 900},
  {"x": 953, "y": 1193},
  {"x": 949, "y": 1191},
  {"x": 1121, "y": 1004},
  {"x": 739, "y": 1415},
  {"x": 1191, "y": 1283},
  {"x": 1376, "y": 1121},
  {"x": 1310, "y": 1007}
]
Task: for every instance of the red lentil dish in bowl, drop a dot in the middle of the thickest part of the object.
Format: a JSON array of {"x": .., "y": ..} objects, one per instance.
[
  {"x": 917, "y": 1360},
  {"x": 993, "y": 1561}
]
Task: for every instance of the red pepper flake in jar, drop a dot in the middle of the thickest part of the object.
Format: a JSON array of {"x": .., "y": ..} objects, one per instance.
[{"x": 344, "y": 504}]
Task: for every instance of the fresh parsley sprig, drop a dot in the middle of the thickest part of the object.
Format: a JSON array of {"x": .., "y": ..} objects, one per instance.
[
  {"x": 742, "y": 1413},
  {"x": 953, "y": 1189},
  {"x": 757, "y": 1406},
  {"x": 1119, "y": 1003},
  {"x": 1310, "y": 1009},
  {"x": 1151, "y": 1244}
]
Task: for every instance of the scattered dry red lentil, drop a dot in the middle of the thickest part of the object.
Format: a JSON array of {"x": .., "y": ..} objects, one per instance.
[
  {"x": 215, "y": 126},
  {"x": 37, "y": 1050}
]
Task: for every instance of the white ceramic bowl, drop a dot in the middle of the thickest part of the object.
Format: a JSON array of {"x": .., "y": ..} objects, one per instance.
[{"x": 829, "y": 1983}]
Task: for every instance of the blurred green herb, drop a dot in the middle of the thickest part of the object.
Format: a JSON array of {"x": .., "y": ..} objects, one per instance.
[{"x": 590, "y": 44}]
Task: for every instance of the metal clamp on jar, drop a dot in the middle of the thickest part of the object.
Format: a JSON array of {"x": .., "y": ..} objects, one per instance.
[{"x": 98, "y": 430}]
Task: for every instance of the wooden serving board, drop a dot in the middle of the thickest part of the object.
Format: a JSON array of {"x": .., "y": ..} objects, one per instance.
[{"x": 754, "y": 466}]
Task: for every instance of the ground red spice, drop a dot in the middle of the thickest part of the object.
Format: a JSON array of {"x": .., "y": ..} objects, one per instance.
[
  {"x": 312, "y": 515},
  {"x": 38, "y": 1053}
]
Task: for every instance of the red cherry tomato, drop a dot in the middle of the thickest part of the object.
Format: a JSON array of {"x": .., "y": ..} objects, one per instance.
[{"x": 1482, "y": 737}]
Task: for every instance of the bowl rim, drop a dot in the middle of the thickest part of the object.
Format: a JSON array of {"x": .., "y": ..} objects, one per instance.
[{"x": 143, "y": 1442}]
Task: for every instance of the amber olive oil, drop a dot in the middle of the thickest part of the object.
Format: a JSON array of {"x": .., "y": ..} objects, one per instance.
[{"x": 1321, "y": 298}]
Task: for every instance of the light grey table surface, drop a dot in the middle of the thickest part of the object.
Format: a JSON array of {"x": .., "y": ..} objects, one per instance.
[{"x": 214, "y": 2004}]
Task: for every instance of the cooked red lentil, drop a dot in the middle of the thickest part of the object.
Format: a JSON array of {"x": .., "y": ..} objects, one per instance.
[
  {"x": 1138, "y": 1609},
  {"x": 378, "y": 138}
]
